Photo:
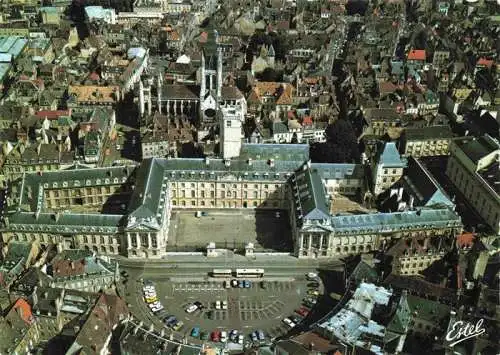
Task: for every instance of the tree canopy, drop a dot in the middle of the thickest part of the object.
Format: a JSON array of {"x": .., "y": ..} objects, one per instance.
[{"x": 341, "y": 145}]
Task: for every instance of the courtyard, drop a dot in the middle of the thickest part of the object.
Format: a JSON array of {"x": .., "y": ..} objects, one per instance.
[{"x": 230, "y": 229}]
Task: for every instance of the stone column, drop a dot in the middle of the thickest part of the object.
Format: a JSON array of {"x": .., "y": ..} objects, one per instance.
[
  {"x": 168, "y": 107},
  {"x": 129, "y": 241},
  {"x": 321, "y": 242},
  {"x": 149, "y": 241},
  {"x": 182, "y": 106},
  {"x": 138, "y": 240}
]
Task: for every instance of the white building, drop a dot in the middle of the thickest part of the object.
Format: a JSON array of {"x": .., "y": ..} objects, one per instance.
[
  {"x": 231, "y": 132},
  {"x": 98, "y": 13}
]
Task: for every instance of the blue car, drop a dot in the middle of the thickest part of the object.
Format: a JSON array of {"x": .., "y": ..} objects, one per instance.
[
  {"x": 241, "y": 284},
  {"x": 170, "y": 321},
  {"x": 248, "y": 284},
  {"x": 195, "y": 333}
]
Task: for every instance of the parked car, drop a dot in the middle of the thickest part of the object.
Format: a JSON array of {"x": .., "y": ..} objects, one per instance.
[
  {"x": 289, "y": 322},
  {"x": 260, "y": 335},
  {"x": 224, "y": 304},
  {"x": 227, "y": 284},
  {"x": 178, "y": 325},
  {"x": 240, "y": 339},
  {"x": 195, "y": 332},
  {"x": 263, "y": 285},
  {"x": 312, "y": 276},
  {"x": 234, "y": 283},
  {"x": 223, "y": 336},
  {"x": 233, "y": 335},
  {"x": 151, "y": 299},
  {"x": 314, "y": 284},
  {"x": 248, "y": 284},
  {"x": 217, "y": 305},
  {"x": 215, "y": 336},
  {"x": 204, "y": 336},
  {"x": 199, "y": 305},
  {"x": 191, "y": 308},
  {"x": 170, "y": 321},
  {"x": 296, "y": 319},
  {"x": 302, "y": 311},
  {"x": 313, "y": 292},
  {"x": 241, "y": 284},
  {"x": 311, "y": 300},
  {"x": 254, "y": 336}
]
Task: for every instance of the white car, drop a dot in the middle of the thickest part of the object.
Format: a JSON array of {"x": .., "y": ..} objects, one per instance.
[
  {"x": 155, "y": 307},
  {"x": 224, "y": 304},
  {"x": 289, "y": 322},
  {"x": 312, "y": 275},
  {"x": 148, "y": 288},
  {"x": 227, "y": 284},
  {"x": 191, "y": 308},
  {"x": 223, "y": 336},
  {"x": 217, "y": 305},
  {"x": 240, "y": 339}
]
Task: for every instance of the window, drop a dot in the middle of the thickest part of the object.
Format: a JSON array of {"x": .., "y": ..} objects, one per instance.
[
  {"x": 203, "y": 194},
  {"x": 255, "y": 194},
  {"x": 212, "y": 194},
  {"x": 229, "y": 194},
  {"x": 222, "y": 194},
  {"x": 193, "y": 194},
  {"x": 193, "y": 203}
]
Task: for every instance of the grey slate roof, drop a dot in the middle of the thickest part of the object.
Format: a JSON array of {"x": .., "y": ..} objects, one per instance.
[
  {"x": 309, "y": 195},
  {"x": 389, "y": 222},
  {"x": 339, "y": 171},
  {"x": 390, "y": 157},
  {"x": 289, "y": 152}
]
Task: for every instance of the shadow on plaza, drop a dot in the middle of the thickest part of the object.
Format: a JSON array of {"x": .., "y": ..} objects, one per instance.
[{"x": 273, "y": 231}]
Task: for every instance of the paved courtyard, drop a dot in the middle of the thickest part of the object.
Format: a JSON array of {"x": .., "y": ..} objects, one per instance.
[{"x": 230, "y": 230}]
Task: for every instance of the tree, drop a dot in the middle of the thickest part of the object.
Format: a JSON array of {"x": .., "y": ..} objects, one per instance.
[{"x": 341, "y": 145}]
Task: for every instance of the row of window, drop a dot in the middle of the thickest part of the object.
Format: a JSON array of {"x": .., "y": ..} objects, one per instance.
[
  {"x": 222, "y": 194},
  {"x": 225, "y": 204},
  {"x": 223, "y": 185}
]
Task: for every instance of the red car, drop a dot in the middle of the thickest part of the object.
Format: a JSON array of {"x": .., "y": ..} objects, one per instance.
[
  {"x": 302, "y": 311},
  {"x": 215, "y": 336}
]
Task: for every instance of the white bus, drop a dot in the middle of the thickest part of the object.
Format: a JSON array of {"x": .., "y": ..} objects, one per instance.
[
  {"x": 222, "y": 273},
  {"x": 249, "y": 272}
]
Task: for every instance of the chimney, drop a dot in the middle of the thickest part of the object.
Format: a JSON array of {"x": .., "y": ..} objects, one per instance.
[
  {"x": 250, "y": 161},
  {"x": 227, "y": 162},
  {"x": 207, "y": 161},
  {"x": 271, "y": 163}
]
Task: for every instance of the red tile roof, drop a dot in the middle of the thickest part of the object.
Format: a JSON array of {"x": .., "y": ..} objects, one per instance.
[
  {"x": 416, "y": 54},
  {"x": 24, "y": 310},
  {"x": 485, "y": 62},
  {"x": 52, "y": 115},
  {"x": 63, "y": 268},
  {"x": 465, "y": 240}
]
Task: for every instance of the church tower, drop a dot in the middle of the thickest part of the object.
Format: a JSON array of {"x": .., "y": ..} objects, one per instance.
[{"x": 210, "y": 78}]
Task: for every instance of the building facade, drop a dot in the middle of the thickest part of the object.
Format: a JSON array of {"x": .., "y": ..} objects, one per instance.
[
  {"x": 473, "y": 169},
  {"x": 426, "y": 141},
  {"x": 387, "y": 169}
]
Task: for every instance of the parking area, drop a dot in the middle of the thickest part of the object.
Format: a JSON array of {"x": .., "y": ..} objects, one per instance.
[
  {"x": 231, "y": 230},
  {"x": 260, "y": 307}
]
